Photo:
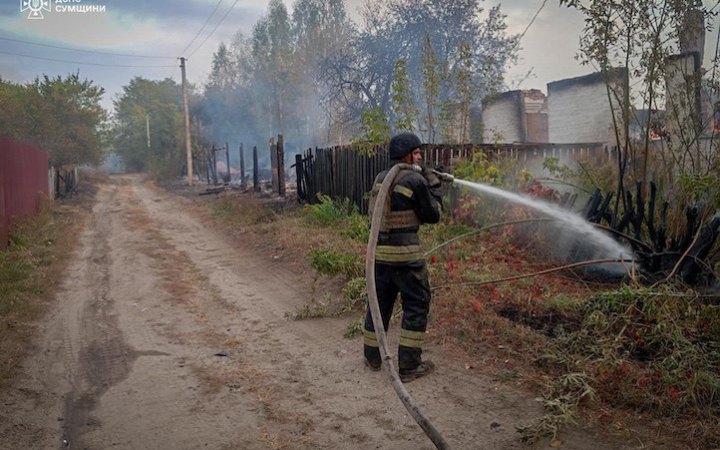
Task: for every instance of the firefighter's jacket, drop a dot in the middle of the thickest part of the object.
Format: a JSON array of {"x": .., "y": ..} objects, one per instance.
[{"x": 411, "y": 203}]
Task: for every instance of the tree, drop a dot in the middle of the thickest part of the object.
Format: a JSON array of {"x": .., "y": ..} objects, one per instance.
[
  {"x": 161, "y": 103},
  {"x": 375, "y": 131},
  {"x": 431, "y": 77},
  {"x": 465, "y": 90},
  {"x": 403, "y": 103},
  {"x": 272, "y": 50},
  {"x": 405, "y": 29},
  {"x": 60, "y": 115},
  {"x": 321, "y": 29}
]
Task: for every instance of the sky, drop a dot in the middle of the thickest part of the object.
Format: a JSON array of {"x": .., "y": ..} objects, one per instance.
[{"x": 163, "y": 31}]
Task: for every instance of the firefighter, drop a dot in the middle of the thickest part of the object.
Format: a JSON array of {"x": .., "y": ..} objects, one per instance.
[{"x": 399, "y": 263}]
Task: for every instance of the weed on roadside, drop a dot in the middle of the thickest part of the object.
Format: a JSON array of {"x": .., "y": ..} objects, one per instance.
[
  {"x": 30, "y": 270},
  {"x": 341, "y": 215},
  {"x": 561, "y": 403}
]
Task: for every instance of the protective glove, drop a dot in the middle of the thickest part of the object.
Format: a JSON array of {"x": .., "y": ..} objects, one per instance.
[{"x": 432, "y": 179}]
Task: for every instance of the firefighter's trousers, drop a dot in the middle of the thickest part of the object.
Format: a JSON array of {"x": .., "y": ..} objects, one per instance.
[{"x": 411, "y": 281}]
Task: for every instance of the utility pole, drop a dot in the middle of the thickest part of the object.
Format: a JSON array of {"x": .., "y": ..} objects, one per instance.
[
  {"x": 188, "y": 144},
  {"x": 281, "y": 164}
]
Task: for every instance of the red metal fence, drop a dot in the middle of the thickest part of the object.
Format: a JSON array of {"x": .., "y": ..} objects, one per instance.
[{"x": 23, "y": 183}]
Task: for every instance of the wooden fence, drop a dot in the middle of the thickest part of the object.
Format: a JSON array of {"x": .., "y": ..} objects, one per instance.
[{"x": 342, "y": 172}]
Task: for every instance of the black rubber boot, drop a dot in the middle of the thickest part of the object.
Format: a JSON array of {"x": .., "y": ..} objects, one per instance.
[
  {"x": 425, "y": 368},
  {"x": 373, "y": 365}
]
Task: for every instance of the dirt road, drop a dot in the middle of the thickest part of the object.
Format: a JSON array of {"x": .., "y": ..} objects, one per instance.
[{"x": 166, "y": 337}]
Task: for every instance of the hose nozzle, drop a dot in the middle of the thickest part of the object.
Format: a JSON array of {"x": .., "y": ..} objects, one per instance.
[{"x": 444, "y": 176}]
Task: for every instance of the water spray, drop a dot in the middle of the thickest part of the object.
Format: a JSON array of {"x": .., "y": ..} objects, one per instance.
[{"x": 603, "y": 246}]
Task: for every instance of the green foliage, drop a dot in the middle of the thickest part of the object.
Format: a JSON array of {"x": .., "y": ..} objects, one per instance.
[
  {"x": 14, "y": 272},
  {"x": 356, "y": 227},
  {"x": 29, "y": 269},
  {"x": 480, "y": 169},
  {"x": 329, "y": 262},
  {"x": 60, "y": 115},
  {"x": 354, "y": 328},
  {"x": 342, "y": 215},
  {"x": 375, "y": 131},
  {"x": 355, "y": 293},
  {"x": 327, "y": 212},
  {"x": 465, "y": 91},
  {"x": 588, "y": 176},
  {"x": 556, "y": 169},
  {"x": 431, "y": 76},
  {"x": 160, "y": 102},
  {"x": 406, "y": 29},
  {"x": 403, "y": 98},
  {"x": 701, "y": 188}
]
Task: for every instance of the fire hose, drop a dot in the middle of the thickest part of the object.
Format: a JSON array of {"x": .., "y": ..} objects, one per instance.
[{"x": 388, "y": 363}]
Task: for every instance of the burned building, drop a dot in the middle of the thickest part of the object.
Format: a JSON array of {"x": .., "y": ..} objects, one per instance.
[
  {"x": 515, "y": 116},
  {"x": 581, "y": 109}
]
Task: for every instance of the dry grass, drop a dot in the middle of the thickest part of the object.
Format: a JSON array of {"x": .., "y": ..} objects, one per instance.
[{"x": 33, "y": 267}]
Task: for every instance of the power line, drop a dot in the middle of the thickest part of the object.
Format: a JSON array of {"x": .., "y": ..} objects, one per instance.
[
  {"x": 84, "y": 51},
  {"x": 78, "y": 62},
  {"x": 203, "y": 26},
  {"x": 532, "y": 20},
  {"x": 216, "y": 27}
]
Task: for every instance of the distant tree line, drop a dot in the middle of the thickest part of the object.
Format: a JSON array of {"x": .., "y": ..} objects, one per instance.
[{"x": 319, "y": 79}]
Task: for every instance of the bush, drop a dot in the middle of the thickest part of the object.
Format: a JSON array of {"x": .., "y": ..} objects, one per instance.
[
  {"x": 327, "y": 212},
  {"x": 329, "y": 262},
  {"x": 342, "y": 215}
]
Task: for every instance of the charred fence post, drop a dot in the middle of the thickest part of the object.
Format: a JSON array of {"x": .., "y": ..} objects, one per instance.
[
  {"x": 213, "y": 161},
  {"x": 281, "y": 164},
  {"x": 227, "y": 161},
  {"x": 207, "y": 164},
  {"x": 273, "y": 165},
  {"x": 256, "y": 181},
  {"x": 299, "y": 170},
  {"x": 242, "y": 166}
]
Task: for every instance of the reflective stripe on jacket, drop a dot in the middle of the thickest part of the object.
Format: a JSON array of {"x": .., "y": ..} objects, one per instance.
[{"x": 410, "y": 204}]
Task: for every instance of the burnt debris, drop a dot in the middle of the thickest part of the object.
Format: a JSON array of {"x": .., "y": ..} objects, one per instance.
[{"x": 644, "y": 226}]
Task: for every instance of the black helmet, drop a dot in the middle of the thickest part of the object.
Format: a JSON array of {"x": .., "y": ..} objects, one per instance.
[{"x": 402, "y": 144}]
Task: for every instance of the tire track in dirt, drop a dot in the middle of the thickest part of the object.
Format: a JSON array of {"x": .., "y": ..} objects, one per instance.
[{"x": 103, "y": 358}]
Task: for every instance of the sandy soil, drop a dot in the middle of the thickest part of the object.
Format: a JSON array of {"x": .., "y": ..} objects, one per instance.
[{"x": 166, "y": 336}]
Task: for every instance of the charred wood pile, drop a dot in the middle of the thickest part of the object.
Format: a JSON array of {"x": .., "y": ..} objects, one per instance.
[{"x": 645, "y": 228}]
